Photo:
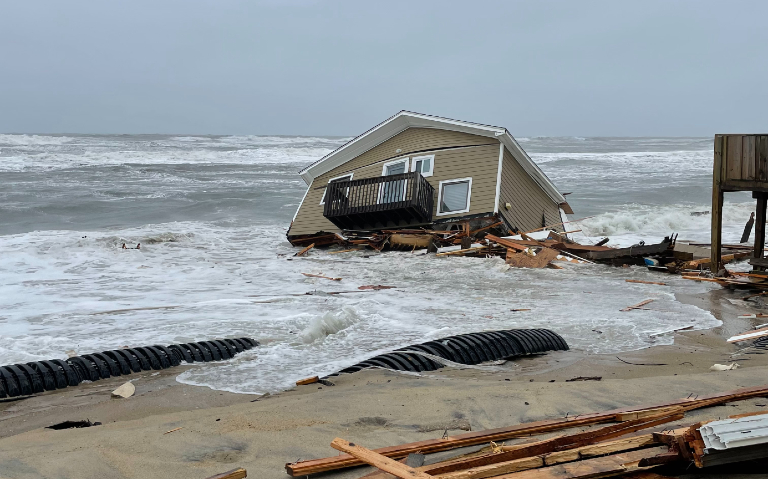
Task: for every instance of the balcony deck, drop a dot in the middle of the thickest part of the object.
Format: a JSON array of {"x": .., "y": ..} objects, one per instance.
[{"x": 394, "y": 201}]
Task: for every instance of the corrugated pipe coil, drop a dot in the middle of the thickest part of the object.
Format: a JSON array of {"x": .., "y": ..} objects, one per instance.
[
  {"x": 472, "y": 348},
  {"x": 39, "y": 376}
]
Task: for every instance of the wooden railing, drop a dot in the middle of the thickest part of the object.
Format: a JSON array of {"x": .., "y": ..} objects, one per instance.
[{"x": 406, "y": 198}]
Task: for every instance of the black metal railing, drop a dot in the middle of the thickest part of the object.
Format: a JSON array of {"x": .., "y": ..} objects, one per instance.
[{"x": 380, "y": 202}]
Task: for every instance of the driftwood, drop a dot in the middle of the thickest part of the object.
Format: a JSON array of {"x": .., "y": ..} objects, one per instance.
[{"x": 548, "y": 425}]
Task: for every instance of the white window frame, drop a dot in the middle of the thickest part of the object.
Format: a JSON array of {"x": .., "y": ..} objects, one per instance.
[
  {"x": 431, "y": 158},
  {"x": 384, "y": 173},
  {"x": 440, "y": 195},
  {"x": 348, "y": 175},
  {"x": 394, "y": 162}
]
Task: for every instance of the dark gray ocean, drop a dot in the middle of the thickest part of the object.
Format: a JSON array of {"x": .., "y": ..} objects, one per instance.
[{"x": 211, "y": 213}]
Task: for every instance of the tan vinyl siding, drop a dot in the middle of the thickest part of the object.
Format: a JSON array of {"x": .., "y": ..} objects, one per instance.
[
  {"x": 527, "y": 198},
  {"x": 479, "y": 162}
]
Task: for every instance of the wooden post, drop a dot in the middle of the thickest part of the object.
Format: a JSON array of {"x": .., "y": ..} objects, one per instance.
[
  {"x": 762, "y": 202},
  {"x": 717, "y": 205}
]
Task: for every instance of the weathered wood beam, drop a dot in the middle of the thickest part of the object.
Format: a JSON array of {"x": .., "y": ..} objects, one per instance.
[
  {"x": 384, "y": 463},
  {"x": 717, "y": 204},
  {"x": 314, "y": 466}
]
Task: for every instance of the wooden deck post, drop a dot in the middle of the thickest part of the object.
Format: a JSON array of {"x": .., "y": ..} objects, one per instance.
[
  {"x": 762, "y": 202},
  {"x": 717, "y": 205}
]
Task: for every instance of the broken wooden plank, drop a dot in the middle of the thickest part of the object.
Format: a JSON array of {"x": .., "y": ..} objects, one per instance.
[
  {"x": 348, "y": 250},
  {"x": 559, "y": 443},
  {"x": 633, "y": 251},
  {"x": 747, "y": 335},
  {"x": 638, "y": 305},
  {"x": 506, "y": 242},
  {"x": 413, "y": 460},
  {"x": 321, "y": 276},
  {"x": 314, "y": 466},
  {"x": 723, "y": 259},
  {"x": 304, "y": 251},
  {"x": 312, "y": 380},
  {"x": 585, "y": 452},
  {"x": 377, "y": 460},
  {"x": 238, "y": 473},
  {"x": 606, "y": 466},
  {"x": 524, "y": 260},
  {"x": 644, "y": 282},
  {"x": 462, "y": 251}
]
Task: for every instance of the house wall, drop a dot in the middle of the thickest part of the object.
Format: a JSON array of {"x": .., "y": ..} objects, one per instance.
[
  {"x": 527, "y": 198},
  {"x": 457, "y": 155}
]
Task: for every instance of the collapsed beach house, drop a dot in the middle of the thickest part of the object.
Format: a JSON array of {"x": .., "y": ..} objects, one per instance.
[{"x": 420, "y": 172}]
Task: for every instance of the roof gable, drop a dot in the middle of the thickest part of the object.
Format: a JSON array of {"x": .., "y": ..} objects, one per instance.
[{"x": 406, "y": 119}]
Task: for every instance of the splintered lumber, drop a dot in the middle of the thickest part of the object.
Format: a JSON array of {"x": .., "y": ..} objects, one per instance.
[
  {"x": 238, "y": 473},
  {"x": 304, "y": 251},
  {"x": 321, "y": 276},
  {"x": 559, "y": 443},
  {"x": 723, "y": 259},
  {"x": 613, "y": 465},
  {"x": 508, "y": 243},
  {"x": 644, "y": 282},
  {"x": 377, "y": 460},
  {"x": 473, "y": 438},
  {"x": 633, "y": 251},
  {"x": 586, "y": 452},
  {"x": 638, "y": 305},
  {"x": 464, "y": 251},
  {"x": 410, "y": 240},
  {"x": 524, "y": 260},
  {"x": 745, "y": 336},
  {"x": 347, "y": 250},
  {"x": 413, "y": 460}
]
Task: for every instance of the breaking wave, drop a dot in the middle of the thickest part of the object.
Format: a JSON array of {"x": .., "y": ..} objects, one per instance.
[{"x": 329, "y": 323}]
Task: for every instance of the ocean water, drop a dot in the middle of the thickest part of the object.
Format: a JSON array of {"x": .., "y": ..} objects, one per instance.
[{"x": 211, "y": 214}]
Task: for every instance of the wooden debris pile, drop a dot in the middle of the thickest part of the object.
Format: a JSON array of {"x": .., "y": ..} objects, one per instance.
[{"x": 639, "y": 443}]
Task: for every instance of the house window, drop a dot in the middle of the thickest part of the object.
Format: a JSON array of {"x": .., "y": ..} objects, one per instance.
[
  {"x": 453, "y": 196},
  {"x": 393, "y": 191},
  {"x": 423, "y": 164},
  {"x": 334, "y": 180}
]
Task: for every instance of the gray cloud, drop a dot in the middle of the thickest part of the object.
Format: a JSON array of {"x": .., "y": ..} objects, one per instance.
[{"x": 338, "y": 67}]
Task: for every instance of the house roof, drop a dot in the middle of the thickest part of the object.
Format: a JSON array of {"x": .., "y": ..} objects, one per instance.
[{"x": 408, "y": 119}]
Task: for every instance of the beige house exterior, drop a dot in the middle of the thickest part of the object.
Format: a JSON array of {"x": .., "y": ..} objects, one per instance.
[{"x": 475, "y": 170}]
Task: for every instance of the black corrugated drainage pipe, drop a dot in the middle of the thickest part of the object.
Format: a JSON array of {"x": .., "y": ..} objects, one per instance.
[
  {"x": 472, "y": 348},
  {"x": 39, "y": 376}
]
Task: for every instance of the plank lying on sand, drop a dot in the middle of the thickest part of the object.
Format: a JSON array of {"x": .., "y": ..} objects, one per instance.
[
  {"x": 314, "y": 466},
  {"x": 757, "y": 333},
  {"x": 238, "y": 473},
  {"x": 547, "y": 446},
  {"x": 613, "y": 465},
  {"x": 377, "y": 460}
]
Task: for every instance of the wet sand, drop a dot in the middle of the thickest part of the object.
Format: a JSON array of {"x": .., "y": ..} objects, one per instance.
[{"x": 216, "y": 431}]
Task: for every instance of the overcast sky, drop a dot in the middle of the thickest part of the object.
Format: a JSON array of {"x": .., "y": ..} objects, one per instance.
[{"x": 550, "y": 68}]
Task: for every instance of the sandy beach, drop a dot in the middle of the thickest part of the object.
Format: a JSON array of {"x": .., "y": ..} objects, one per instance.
[{"x": 215, "y": 431}]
